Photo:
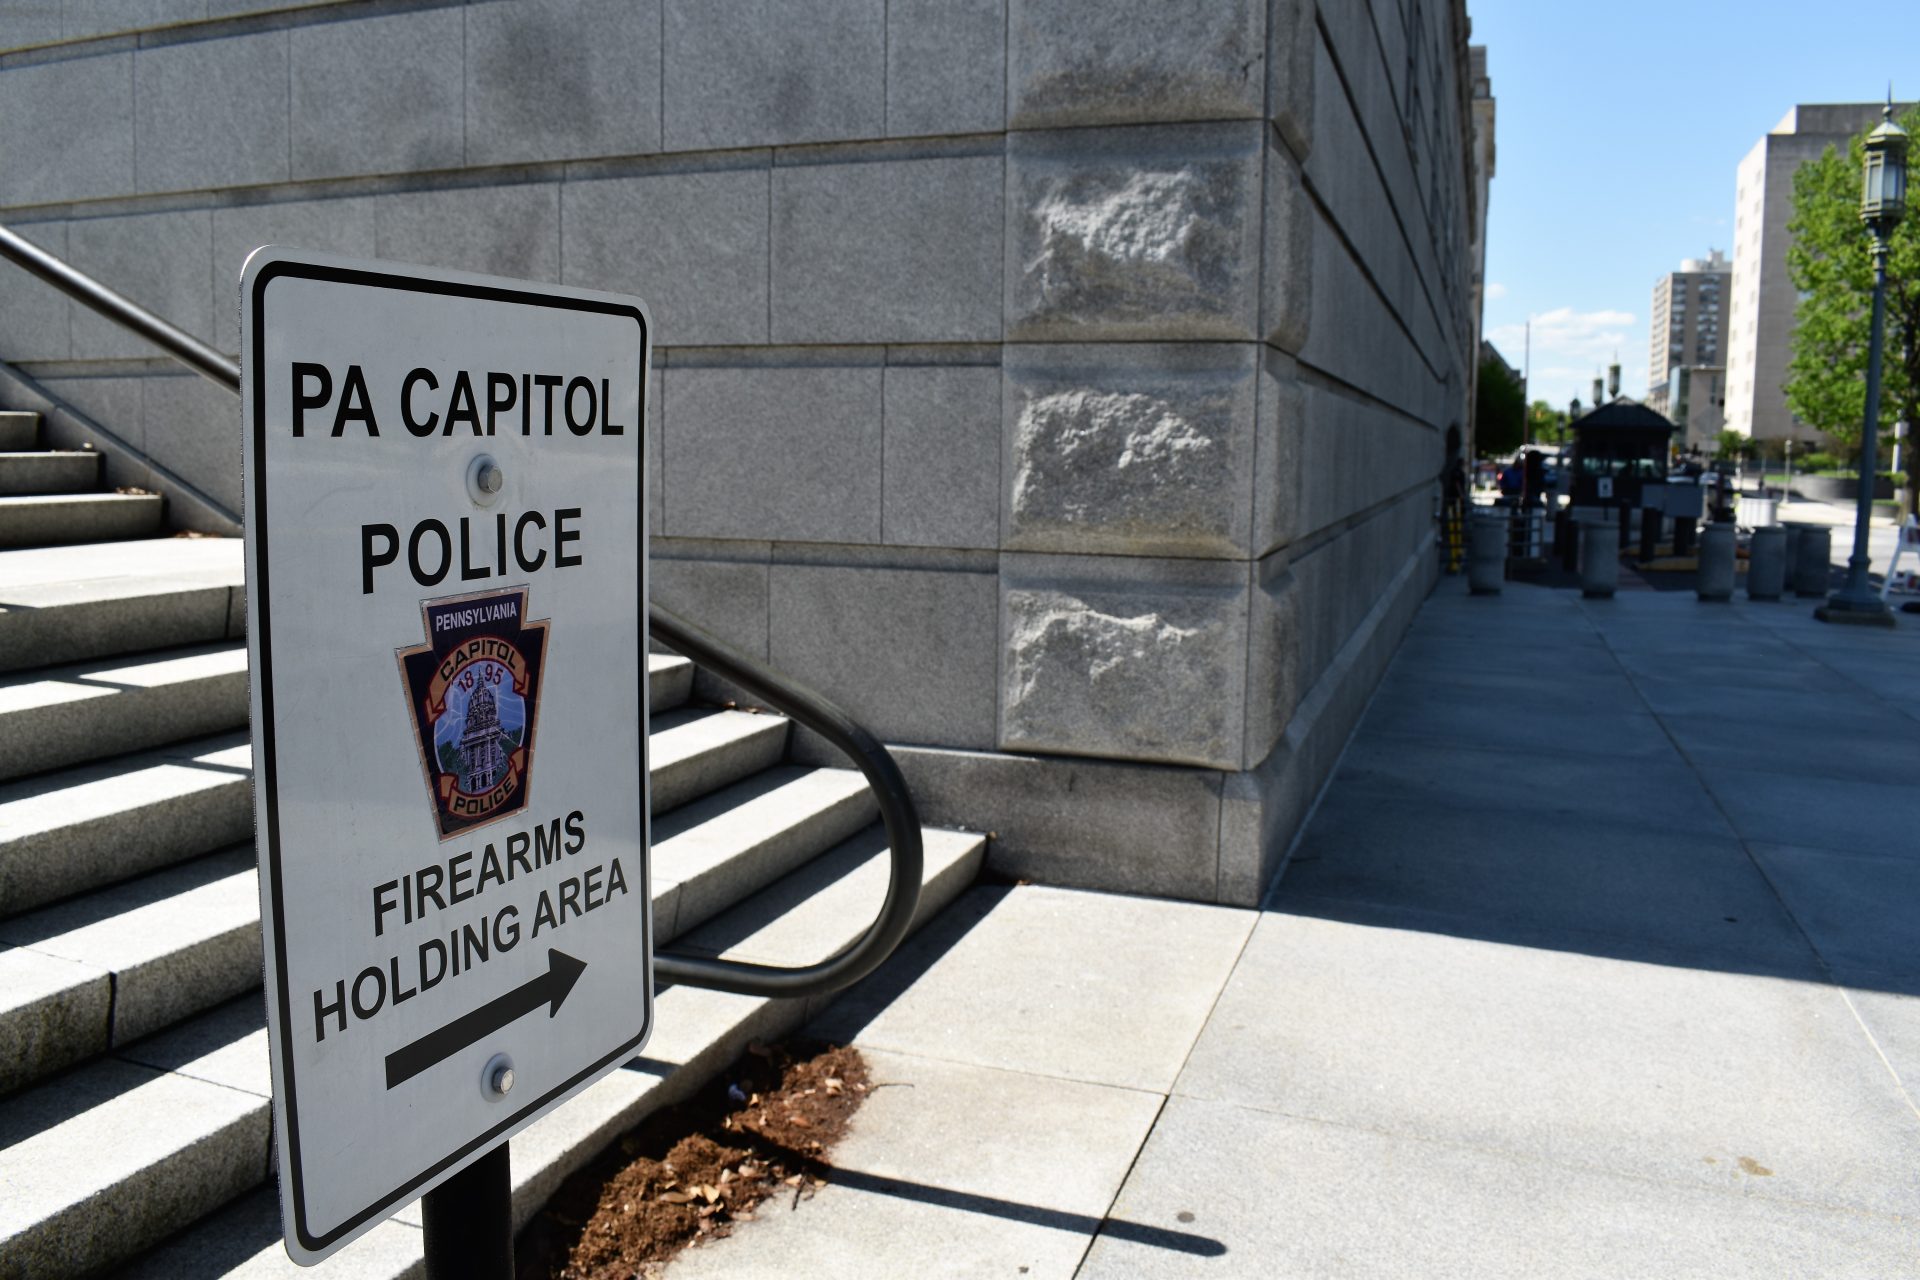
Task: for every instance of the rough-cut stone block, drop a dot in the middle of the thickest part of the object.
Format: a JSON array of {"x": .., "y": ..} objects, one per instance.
[
  {"x": 1280, "y": 475},
  {"x": 558, "y": 79},
  {"x": 1126, "y": 61},
  {"x": 66, "y": 130},
  {"x": 942, "y": 481},
  {"x": 744, "y": 73},
  {"x": 332, "y": 226},
  {"x": 1291, "y": 38},
  {"x": 694, "y": 245},
  {"x": 725, "y": 597},
  {"x": 1134, "y": 233},
  {"x": 1286, "y": 275},
  {"x": 1141, "y": 450},
  {"x": 946, "y": 66},
  {"x": 211, "y": 113},
  {"x": 887, "y": 251},
  {"x": 160, "y": 260},
  {"x": 193, "y": 429},
  {"x": 1132, "y": 659},
  {"x": 910, "y": 653},
  {"x": 33, "y": 315},
  {"x": 788, "y": 453},
  {"x": 378, "y": 95},
  {"x": 1095, "y": 824},
  {"x": 503, "y": 231}
]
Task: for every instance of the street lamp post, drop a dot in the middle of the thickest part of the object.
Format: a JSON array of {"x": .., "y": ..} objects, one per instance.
[{"x": 1883, "y": 198}]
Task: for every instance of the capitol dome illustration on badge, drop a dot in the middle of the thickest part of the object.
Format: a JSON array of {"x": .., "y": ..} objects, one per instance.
[{"x": 474, "y": 690}]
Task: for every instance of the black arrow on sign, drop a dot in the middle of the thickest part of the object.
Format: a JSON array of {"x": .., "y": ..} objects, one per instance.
[{"x": 550, "y": 989}]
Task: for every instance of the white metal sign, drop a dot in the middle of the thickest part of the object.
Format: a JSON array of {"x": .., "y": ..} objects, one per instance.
[{"x": 446, "y": 618}]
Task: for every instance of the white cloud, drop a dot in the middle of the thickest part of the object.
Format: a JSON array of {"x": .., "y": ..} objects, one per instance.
[
  {"x": 1570, "y": 336},
  {"x": 1496, "y": 291}
]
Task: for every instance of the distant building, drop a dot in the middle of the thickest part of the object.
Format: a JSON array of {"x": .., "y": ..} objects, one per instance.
[
  {"x": 1760, "y": 313},
  {"x": 1687, "y": 362},
  {"x": 1481, "y": 158}
]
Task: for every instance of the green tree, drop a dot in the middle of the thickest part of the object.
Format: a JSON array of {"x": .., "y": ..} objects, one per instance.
[
  {"x": 1546, "y": 424},
  {"x": 1730, "y": 444},
  {"x": 1499, "y": 410},
  {"x": 1831, "y": 264}
]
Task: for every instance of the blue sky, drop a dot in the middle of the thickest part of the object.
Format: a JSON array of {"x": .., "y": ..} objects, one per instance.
[{"x": 1618, "y": 132}]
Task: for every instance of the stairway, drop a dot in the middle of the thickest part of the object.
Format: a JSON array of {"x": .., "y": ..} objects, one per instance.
[{"x": 134, "y": 1116}]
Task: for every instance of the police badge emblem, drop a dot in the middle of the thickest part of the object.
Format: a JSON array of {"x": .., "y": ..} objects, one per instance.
[{"x": 474, "y": 690}]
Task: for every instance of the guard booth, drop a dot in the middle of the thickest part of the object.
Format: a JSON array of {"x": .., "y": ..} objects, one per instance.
[{"x": 1619, "y": 450}]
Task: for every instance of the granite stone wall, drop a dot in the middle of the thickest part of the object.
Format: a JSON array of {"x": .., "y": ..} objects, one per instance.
[{"x": 1059, "y": 385}]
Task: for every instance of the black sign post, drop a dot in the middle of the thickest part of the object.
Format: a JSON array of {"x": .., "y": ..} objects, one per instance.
[{"x": 468, "y": 1221}]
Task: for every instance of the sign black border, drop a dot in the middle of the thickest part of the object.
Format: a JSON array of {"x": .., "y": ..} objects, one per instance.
[{"x": 268, "y": 762}]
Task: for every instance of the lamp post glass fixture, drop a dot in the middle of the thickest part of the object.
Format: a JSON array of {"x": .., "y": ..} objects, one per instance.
[{"x": 1883, "y": 199}]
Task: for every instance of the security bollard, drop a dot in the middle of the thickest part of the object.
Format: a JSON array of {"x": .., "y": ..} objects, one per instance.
[
  {"x": 1812, "y": 571},
  {"x": 1714, "y": 580},
  {"x": 1486, "y": 555},
  {"x": 1767, "y": 563},
  {"x": 1599, "y": 560}
]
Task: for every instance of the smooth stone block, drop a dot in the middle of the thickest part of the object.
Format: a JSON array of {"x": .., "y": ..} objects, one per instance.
[
  {"x": 502, "y": 231},
  {"x": 1137, "y": 450},
  {"x": 80, "y": 18},
  {"x": 160, "y": 260},
  {"x": 887, "y": 250},
  {"x": 1273, "y": 659},
  {"x": 1134, "y": 233},
  {"x": 1291, "y": 39},
  {"x": 941, "y": 486},
  {"x": 558, "y": 79},
  {"x": 946, "y": 67},
  {"x": 378, "y": 95},
  {"x": 332, "y": 226},
  {"x": 1284, "y": 427},
  {"x": 693, "y": 244},
  {"x": 1127, "y": 61},
  {"x": 789, "y": 453},
  {"x": 33, "y": 314},
  {"x": 66, "y": 129},
  {"x": 29, "y": 22},
  {"x": 192, "y": 428},
  {"x": 728, "y": 598},
  {"x": 744, "y": 73},
  {"x": 1129, "y": 659},
  {"x": 1286, "y": 270},
  {"x": 211, "y": 113},
  {"x": 911, "y": 654},
  {"x": 1092, "y": 823}
]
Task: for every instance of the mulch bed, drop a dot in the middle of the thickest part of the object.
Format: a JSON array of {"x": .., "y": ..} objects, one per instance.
[{"x": 758, "y": 1136}]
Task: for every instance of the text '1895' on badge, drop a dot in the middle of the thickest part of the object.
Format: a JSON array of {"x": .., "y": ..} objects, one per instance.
[{"x": 474, "y": 688}]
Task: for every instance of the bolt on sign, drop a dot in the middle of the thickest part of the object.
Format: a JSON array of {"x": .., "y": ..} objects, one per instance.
[{"x": 446, "y": 619}]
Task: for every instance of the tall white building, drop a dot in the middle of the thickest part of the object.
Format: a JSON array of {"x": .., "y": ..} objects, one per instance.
[
  {"x": 1686, "y": 360},
  {"x": 1760, "y": 316}
]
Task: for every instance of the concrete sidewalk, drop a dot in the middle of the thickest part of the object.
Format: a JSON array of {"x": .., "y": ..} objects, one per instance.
[{"x": 1599, "y": 958}]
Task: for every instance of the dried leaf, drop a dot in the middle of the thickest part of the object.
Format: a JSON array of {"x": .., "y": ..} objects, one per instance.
[{"x": 675, "y": 1197}]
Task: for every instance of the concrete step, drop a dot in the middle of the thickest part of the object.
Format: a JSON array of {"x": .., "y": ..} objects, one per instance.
[
  {"x": 95, "y": 824},
  {"x": 46, "y": 520},
  {"x": 808, "y": 915},
  {"x": 61, "y": 716},
  {"x": 706, "y": 853},
  {"x": 19, "y": 430},
  {"x": 669, "y": 682},
  {"x": 105, "y": 969},
  {"x": 115, "y": 1155},
  {"x": 22, "y": 473},
  {"x": 695, "y": 751},
  {"x": 72, "y": 603}
]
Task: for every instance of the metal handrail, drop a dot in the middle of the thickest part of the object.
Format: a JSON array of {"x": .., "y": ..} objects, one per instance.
[{"x": 897, "y": 811}]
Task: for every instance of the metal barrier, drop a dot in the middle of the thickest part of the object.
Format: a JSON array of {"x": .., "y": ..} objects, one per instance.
[{"x": 897, "y": 811}]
